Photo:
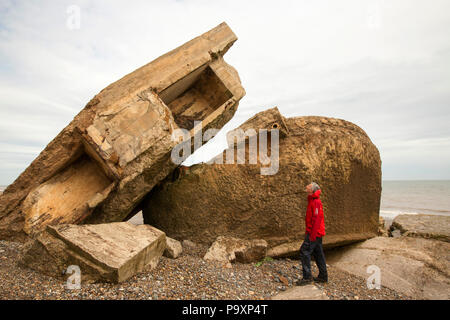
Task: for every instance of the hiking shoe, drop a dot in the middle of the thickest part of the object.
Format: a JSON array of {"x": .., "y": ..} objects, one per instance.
[
  {"x": 321, "y": 280},
  {"x": 303, "y": 282}
]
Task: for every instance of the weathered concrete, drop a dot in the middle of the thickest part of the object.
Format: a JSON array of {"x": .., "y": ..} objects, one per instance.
[
  {"x": 137, "y": 219},
  {"x": 173, "y": 248},
  {"x": 382, "y": 230},
  {"x": 189, "y": 244},
  {"x": 413, "y": 266},
  {"x": 308, "y": 292},
  {"x": 110, "y": 252},
  {"x": 229, "y": 249},
  {"x": 118, "y": 147},
  {"x": 205, "y": 201},
  {"x": 422, "y": 225},
  {"x": 292, "y": 249}
]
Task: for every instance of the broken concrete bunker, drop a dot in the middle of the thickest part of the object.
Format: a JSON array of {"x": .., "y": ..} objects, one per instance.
[
  {"x": 118, "y": 147},
  {"x": 207, "y": 200}
]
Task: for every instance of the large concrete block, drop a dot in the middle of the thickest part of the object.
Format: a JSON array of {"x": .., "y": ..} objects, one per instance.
[
  {"x": 235, "y": 199},
  {"x": 111, "y": 252}
]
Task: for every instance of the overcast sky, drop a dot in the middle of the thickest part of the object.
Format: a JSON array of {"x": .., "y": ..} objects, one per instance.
[{"x": 383, "y": 65}]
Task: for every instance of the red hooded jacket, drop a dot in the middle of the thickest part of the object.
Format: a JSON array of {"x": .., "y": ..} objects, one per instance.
[{"x": 315, "y": 222}]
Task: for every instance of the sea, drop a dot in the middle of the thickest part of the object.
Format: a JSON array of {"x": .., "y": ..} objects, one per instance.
[
  {"x": 411, "y": 197},
  {"x": 414, "y": 197}
]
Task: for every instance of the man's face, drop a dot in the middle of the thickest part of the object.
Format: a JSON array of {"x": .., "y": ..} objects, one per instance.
[{"x": 308, "y": 189}]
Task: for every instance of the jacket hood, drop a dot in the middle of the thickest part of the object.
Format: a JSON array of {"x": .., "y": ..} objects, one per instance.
[{"x": 315, "y": 195}]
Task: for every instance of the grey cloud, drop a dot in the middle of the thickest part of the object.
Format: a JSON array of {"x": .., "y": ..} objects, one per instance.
[{"x": 307, "y": 58}]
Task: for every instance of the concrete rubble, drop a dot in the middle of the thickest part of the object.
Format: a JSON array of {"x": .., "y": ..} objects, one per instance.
[
  {"x": 116, "y": 158},
  {"x": 229, "y": 249}
]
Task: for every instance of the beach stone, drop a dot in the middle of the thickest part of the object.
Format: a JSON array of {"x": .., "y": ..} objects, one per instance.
[
  {"x": 415, "y": 267},
  {"x": 422, "y": 225},
  {"x": 99, "y": 168},
  {"x": 235, "y": 199},
  {"x": 189, "y": 244},
  {"x": 110, "y": 252},
  {"x": 229, "y": 249},
  {"x": 173, "y": 248},
  {"x": 382, "y": 231},
  {"x": 395, "y": 233},
  {"x": 307, "y": 292}
]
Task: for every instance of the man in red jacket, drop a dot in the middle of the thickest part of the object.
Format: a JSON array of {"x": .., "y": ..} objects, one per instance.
[{"x": 315, "y": 230}]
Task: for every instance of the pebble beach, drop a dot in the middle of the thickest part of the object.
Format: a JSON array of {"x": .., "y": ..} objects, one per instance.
[{"x": 187, "y": 277}]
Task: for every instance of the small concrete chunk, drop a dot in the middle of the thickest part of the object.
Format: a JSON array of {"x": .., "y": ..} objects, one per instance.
[
  {"x": 189, "y": 244},
  {"x": 173, "y": 248},
  {"x": 229, "y": 249}
]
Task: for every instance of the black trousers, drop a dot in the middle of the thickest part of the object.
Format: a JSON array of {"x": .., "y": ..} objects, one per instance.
[{"x": 315, "y": 249}]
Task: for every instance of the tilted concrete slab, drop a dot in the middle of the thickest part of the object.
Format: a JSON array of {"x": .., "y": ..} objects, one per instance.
[
  {"x": 428, "y": 226},
  {"x": 119, "y": 146},
  {"x": 415, "y": 267}
]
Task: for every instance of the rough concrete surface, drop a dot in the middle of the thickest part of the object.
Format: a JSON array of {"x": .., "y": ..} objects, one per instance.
[
  {"x": 412, "y": 266},
  {"x": 110, "y": 252},
  {"x": 423, "y": 226},
  {"x": 118, "y": 147},
  {"x": 206, "y": 200}
]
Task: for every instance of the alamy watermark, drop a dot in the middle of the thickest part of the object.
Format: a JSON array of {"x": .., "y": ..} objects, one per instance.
[
  {"x": 374, "y": 15},
  {"x": 259, "y": 146},
  {"x": 73, "y": 21},
  {"x": 374, "y": 280},
  {"x": 74, "y": 280}
]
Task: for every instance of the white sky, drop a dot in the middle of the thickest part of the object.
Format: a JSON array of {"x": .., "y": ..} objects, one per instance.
[{"x": 383, "y": 65}]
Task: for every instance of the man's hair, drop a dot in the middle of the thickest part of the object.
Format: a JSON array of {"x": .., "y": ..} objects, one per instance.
[{"x": 314, "y": 186}]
